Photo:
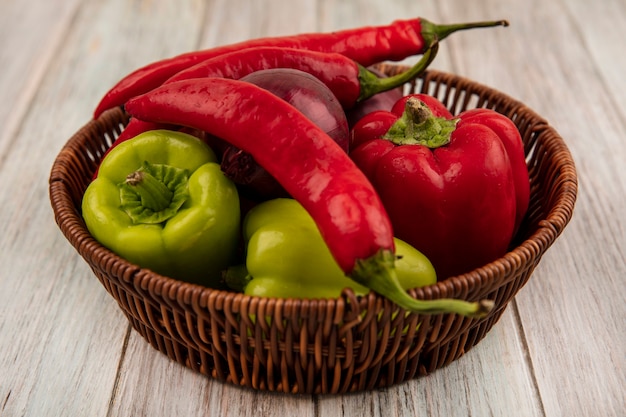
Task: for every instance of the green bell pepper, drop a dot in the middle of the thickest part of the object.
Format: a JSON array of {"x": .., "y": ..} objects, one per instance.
[
  {"x": 161, "y": 201},
  {"x": 287, "y": 257}
]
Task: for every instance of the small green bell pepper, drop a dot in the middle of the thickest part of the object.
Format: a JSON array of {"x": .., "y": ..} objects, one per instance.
[
  {"x": 161, "y": 201},
  {"x": 287, "y": 257}
]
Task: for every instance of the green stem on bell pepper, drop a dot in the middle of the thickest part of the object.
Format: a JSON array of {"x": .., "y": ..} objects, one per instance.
[
  {"x": 161, "y": 201},
  {"x": 154, "y": 193},
  {"x": 418, "y": 126}
]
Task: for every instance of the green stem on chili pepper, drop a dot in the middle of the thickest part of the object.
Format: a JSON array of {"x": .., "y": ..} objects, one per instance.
[
  {"x": 372, "y": 84},
  {"x": 418, "y": 126},
  {"x": 432, "y": 31},
  {"x": 377, "y": 273}
]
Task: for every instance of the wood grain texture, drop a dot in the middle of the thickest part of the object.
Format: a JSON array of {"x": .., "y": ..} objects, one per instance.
[
  {"x": 22, "y": 72},
  {"x": 66, "y": 349}
]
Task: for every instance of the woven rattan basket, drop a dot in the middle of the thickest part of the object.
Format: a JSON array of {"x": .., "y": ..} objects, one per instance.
[{"x": 322, "y": 346}]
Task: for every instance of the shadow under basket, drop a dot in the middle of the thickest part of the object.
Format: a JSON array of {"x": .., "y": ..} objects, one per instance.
[{"x": 322, "y": 346}]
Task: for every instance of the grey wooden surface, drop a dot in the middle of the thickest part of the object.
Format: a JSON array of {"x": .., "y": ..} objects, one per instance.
[{"x": 66, "y": 349}]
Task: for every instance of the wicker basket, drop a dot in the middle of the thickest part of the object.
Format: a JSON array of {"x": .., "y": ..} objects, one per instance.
[{"x": 322, "y": 346}]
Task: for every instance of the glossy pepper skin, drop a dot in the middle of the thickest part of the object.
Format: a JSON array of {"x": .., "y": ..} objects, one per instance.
[
  {"x": 365, "y": 45},
  {"x": 162, "y": 203},
  {"x": 454, "y": 188},
  {"x": 287, "y": 257},
  {"x": 311, "y": 167}
]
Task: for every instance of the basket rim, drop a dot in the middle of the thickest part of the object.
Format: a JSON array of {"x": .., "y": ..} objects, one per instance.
[{"x": 173, "y": 290}]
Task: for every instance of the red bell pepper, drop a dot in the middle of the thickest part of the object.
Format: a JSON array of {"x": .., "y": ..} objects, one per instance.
[{"x": 454, "y": 188}]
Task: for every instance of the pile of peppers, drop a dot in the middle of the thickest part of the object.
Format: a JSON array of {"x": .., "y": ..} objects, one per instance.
[{"x": 413, "y": 199}]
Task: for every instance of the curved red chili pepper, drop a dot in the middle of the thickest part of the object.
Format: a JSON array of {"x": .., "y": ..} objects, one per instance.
[
  {"x": 254, "y": 120},
  {"x": 313, "y": 169},
  {"x": 365, "y": 45},
  {"x": 349, "y": 81}
]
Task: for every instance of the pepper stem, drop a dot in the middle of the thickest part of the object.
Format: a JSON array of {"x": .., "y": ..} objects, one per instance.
[
  {"x": 371, "y": 84},
  {"x": 418, "y": 126},
  {"x": 378, "y": 274},
  {"x": 431, "y": 31},
  {"x": 154, "y": 193}
]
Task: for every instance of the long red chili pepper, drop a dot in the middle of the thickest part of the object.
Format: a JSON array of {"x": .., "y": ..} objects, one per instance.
[
  {"x": 365, "y": 45},
  {"x": 349, "y": 81},
  {"x": 308, "y": 164}
]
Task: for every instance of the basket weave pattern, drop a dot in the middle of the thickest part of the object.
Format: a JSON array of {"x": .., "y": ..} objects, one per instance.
[{"x": 322, "y": 346}]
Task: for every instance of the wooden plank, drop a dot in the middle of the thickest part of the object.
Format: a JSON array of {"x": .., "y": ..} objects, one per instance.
[
  {"x": 44, "y": 344},
  {"x": 67, "y": 333},
  {"x": 480, "y": 380},
  {"x": 230, "y": 21},
  {"x": 602, "y": 43},
  {"x": 22, "y": 72},
  {"x": 115, "y": 39},
  {"x": 225, "y": 22}
]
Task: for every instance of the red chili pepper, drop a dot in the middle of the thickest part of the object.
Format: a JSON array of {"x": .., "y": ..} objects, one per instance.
[
  {"x": 349, "y": 81},
  {"x": 308, "y": 164},
  {"x": 365, "y": 45},
  {"x": 455, "y": 188}
]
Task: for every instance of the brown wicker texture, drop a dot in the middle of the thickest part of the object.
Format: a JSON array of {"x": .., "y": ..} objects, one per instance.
[{"x": 322, "y": 346}]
